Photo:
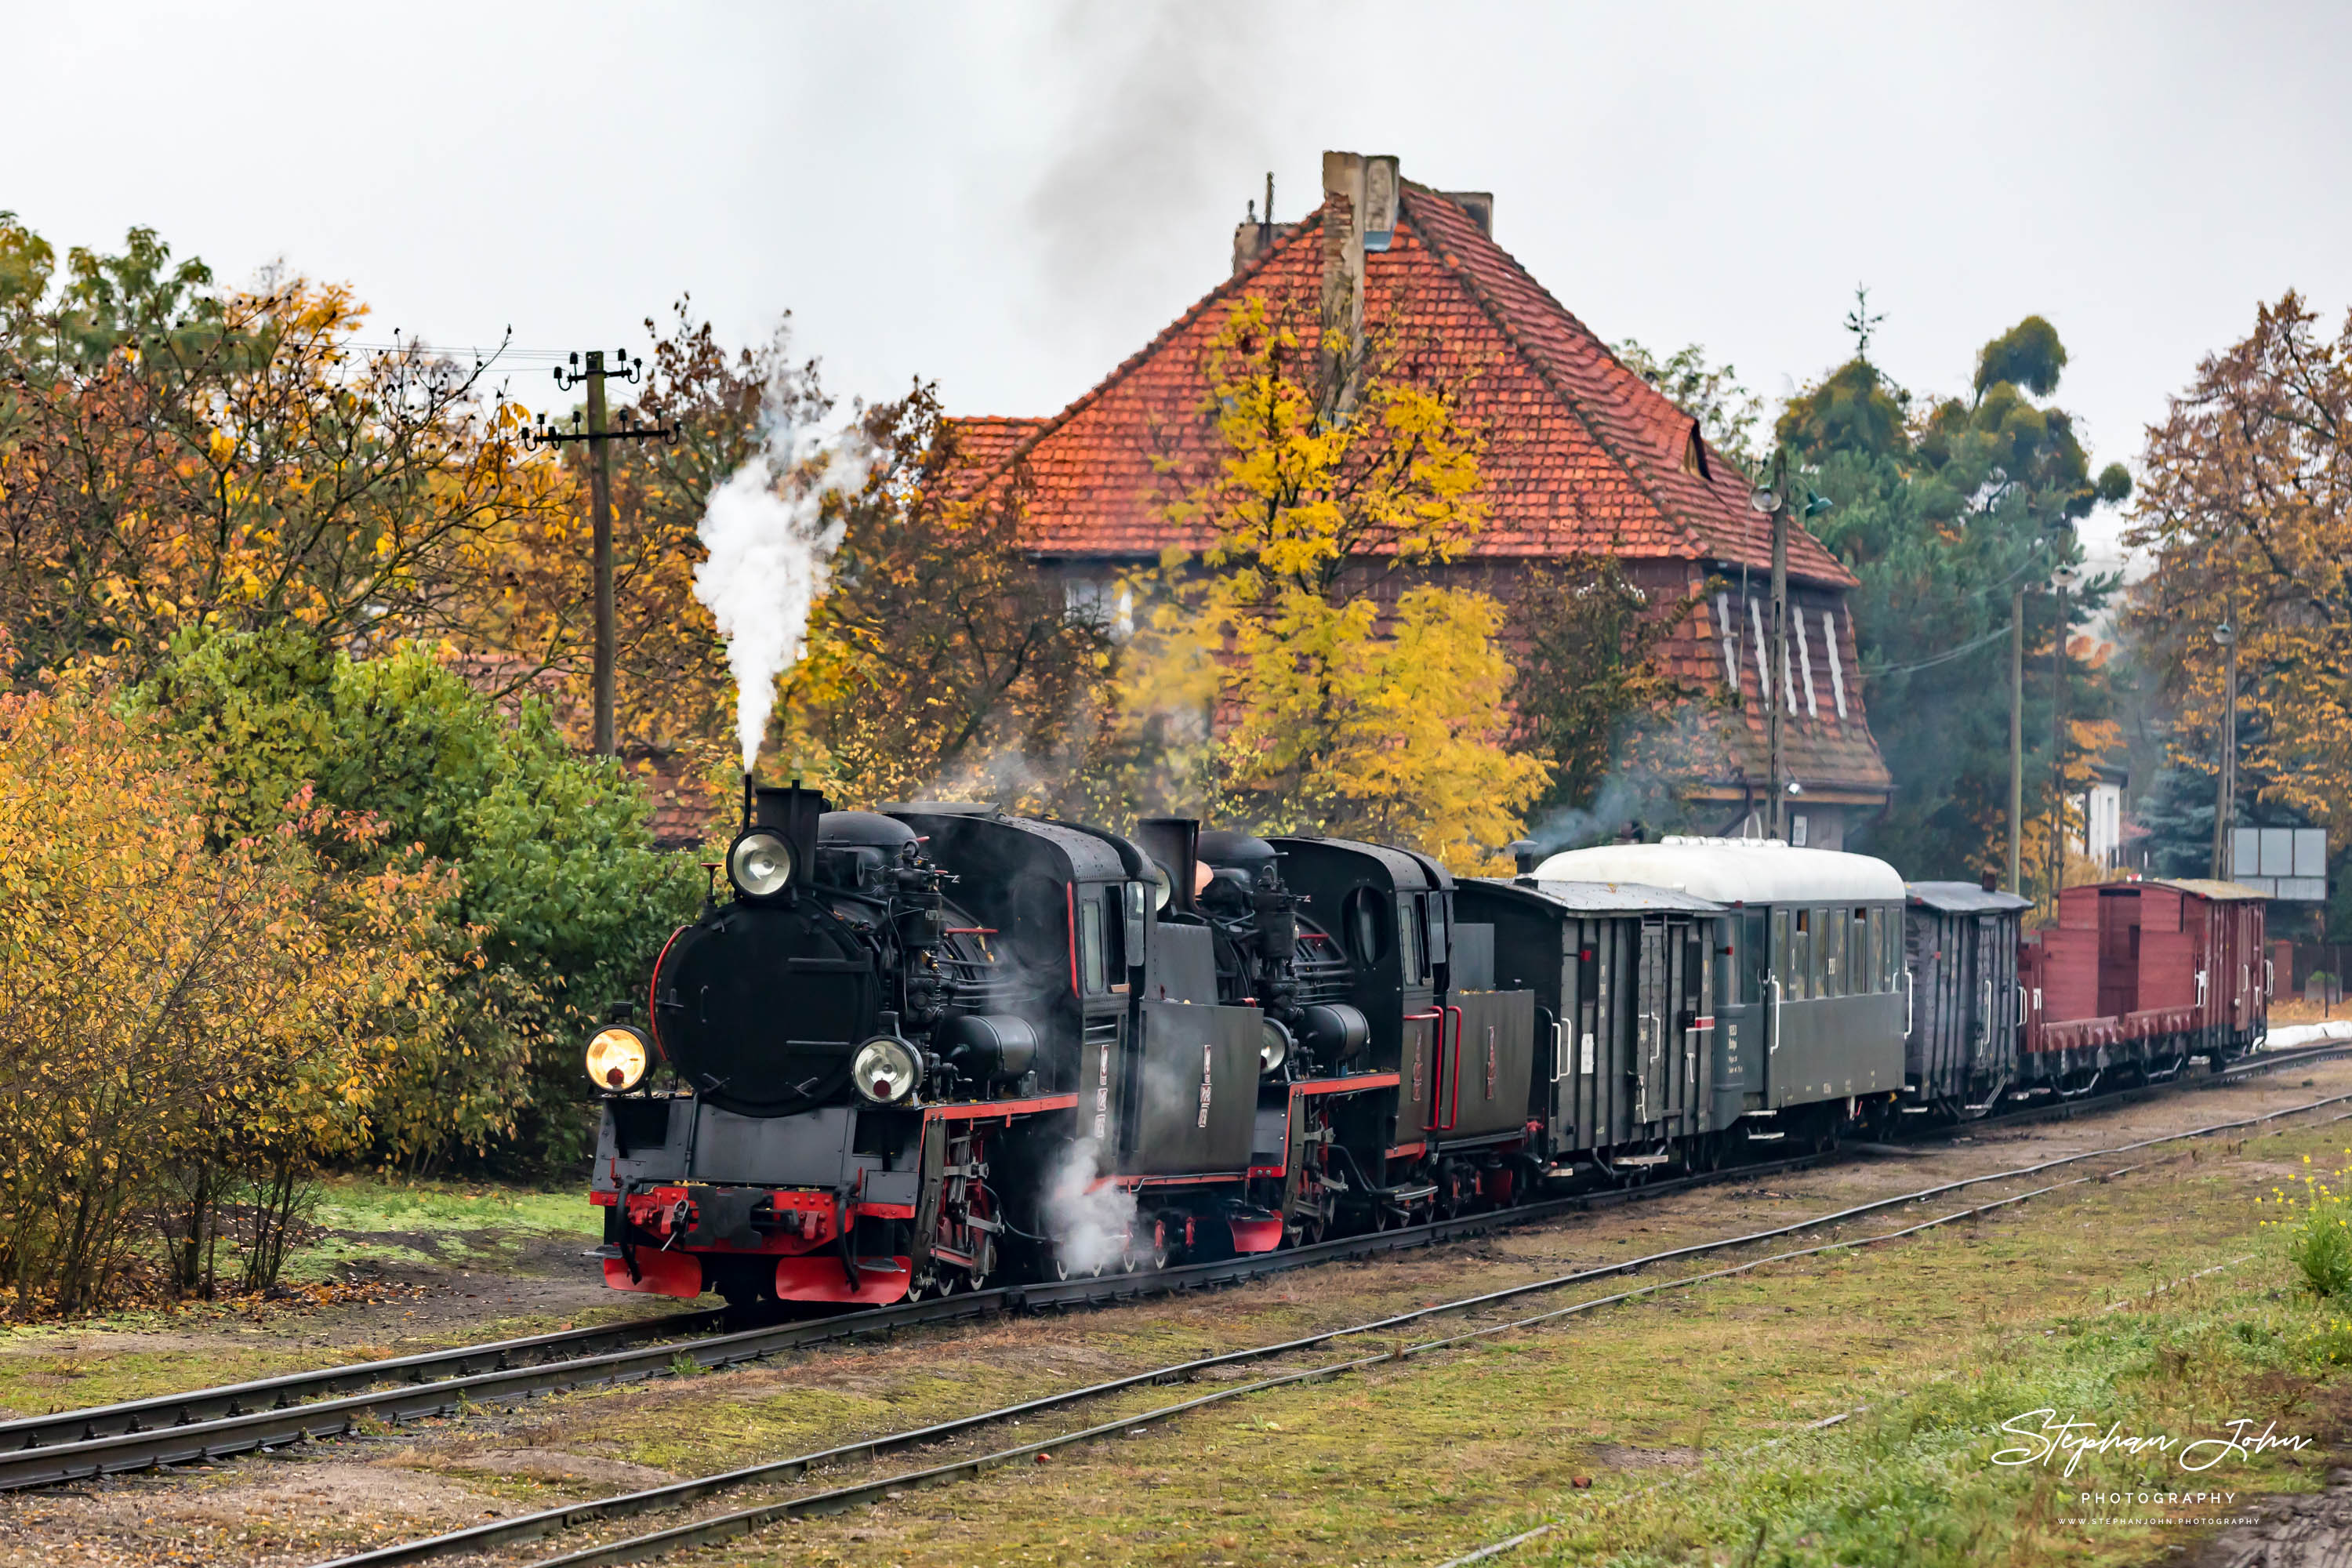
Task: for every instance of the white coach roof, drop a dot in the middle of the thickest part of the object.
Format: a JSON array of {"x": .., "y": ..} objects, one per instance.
[{"x": 1733, "y": 871}]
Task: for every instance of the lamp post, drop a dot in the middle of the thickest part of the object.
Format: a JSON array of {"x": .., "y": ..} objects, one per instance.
[{"x": 2225, "y": 806}]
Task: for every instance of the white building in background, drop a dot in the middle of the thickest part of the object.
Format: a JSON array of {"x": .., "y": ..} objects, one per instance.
[{"x": 2102, "y": 817}]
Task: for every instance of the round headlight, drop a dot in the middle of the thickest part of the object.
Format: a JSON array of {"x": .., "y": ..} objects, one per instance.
[
  {"x": 616, "y": 1057},
  {"x": 886, "y": 1070},
  {"x": 760, "y": 863},
  {"x": 1162, "y": 890},
  {"x": 1273, "y": 1045}
]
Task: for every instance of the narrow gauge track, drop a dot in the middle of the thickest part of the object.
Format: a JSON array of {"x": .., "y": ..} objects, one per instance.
[
  {"x": 261, "y": 1395},
  {"x": 709, "y": 1531},
  {"x": 168, "y": 1430}
]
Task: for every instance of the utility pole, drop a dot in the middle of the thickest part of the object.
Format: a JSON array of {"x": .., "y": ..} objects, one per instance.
[
  {"x": 2058, "y": 751},
  {"x": 2225, "y": 807},
  {"x": 1772, "y": 683},
  {"x": 2017, "y": 743},
  {"x": 599, "y": 436},
  {"x": 1780, "y": 664}
]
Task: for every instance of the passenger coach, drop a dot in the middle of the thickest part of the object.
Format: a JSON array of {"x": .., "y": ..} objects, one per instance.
[{"x": 1803, "y": 1022}]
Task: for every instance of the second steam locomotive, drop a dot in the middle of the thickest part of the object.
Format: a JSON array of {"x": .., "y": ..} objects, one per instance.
[{"x": 920, "y": 1049}]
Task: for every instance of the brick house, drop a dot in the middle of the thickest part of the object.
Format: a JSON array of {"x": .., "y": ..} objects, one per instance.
[{"x": 1583, "y": 456}]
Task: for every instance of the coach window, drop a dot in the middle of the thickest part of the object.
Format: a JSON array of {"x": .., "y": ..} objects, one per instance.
[
  {"x": 1783, "y": 953},
  {"x": 1897, "y": 933},
  {"x": 1861, "y": 977},
  {"x": 1800, "y": 976},
  {"x": 1865, "y": 967},
  {"x": 1833, "y": 952},
  {"x": 1753, "y": 960},
  {"x": 1090, "y": 945}
]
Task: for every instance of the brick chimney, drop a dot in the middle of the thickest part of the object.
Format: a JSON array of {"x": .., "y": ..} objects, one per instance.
[{"x": 1360, "y": 204}]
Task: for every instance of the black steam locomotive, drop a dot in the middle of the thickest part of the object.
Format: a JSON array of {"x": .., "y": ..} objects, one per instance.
[{"x": 919, "y": 1049}]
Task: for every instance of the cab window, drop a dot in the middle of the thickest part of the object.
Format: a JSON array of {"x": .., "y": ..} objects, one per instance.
[
  {"x": 1090, "y": 946},
  {"x": 1408, "y": 942}
]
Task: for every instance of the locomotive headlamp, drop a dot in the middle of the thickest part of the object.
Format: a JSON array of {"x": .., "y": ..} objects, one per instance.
[
  {"x": 616, "y": 1057},
  {"x": 1273, "y": 1045},
  {"x": 760, "y": 863},
  {"x": 886, "y": 1070}
]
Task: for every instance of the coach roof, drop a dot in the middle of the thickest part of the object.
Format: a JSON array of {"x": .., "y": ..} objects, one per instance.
[{"x": 1733, "y": 871}]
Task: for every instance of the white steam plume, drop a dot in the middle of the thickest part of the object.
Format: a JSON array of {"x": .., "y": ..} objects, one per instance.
[
  {"x": 1089, "y": 1222},
  {"x": 770, "y": 548}
]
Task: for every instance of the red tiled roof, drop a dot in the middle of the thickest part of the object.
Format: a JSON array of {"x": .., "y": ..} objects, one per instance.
[
  {"x": 1581, "y": 454},
  {"x": 984, "y": 440}
]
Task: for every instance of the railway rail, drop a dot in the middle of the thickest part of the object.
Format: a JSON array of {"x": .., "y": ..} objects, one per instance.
[
  {"x": 722, "y": 1527},
  {"x": 265, "y": 1414}
]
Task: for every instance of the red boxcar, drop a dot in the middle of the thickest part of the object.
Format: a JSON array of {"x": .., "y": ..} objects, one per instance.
[{"x": 2139, "y": 977}]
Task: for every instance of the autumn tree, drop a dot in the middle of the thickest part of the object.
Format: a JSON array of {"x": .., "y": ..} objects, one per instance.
[
  {"x": 173, "y": 455},
  {"x": 2246, "y": 507},
  {"x": 1356, "y": 695},
  {"x": 1592, "y": 677},
  {"x": 188, "y": 1025},
  {"x": 941, "y": 659}
]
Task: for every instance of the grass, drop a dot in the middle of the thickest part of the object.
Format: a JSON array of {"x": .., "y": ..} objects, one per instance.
[
  {"x": 1689, "y": 1414},
  {"x": 388, "y": 1222},
  {"x": 372, "y": 1223}
]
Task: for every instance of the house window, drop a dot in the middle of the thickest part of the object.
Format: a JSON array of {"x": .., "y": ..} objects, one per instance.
[
  {"x": 1104, "y": 600},
  {"x": 1796, "y": 830}
]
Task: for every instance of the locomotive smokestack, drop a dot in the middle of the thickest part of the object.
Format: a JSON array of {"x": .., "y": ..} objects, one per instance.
[
  {"x": 747, "y": 800},
  {"x": 1523, "y": 854}
]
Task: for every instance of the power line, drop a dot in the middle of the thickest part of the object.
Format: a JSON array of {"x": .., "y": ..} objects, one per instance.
[{"x": 1946, "y": 656}]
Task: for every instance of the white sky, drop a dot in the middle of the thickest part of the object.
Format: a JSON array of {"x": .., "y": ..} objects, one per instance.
[{"x": 1010, "y": 198}]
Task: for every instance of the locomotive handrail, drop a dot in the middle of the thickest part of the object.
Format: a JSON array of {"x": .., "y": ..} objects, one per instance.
[
  {"x": 1559, "y": 1058},
  {"x": 1910, "y": 998},
  {"x": 2018, "y": 986},
  {"x": 1772, "y": 1046}
]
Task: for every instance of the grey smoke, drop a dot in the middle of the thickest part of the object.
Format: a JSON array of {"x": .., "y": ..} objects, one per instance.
[{"x": 1169, "y": 103}]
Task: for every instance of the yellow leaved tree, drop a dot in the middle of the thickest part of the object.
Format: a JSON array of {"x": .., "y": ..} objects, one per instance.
[
  {"x": 187, "y": 1025},
  {"x": 1354, "y": 693}
]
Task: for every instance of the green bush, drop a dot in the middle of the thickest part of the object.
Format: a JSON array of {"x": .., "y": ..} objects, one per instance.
[
  {"x": 563, "y": 900},
  {"x": 2319, "y": 1236}
]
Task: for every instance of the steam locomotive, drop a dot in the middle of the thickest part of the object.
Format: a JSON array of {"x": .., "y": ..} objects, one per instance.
[{"x": 920, "y": 1049}]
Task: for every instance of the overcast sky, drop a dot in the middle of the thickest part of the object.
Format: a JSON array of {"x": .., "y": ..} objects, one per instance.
[{"x": 1009, "y": 199}]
